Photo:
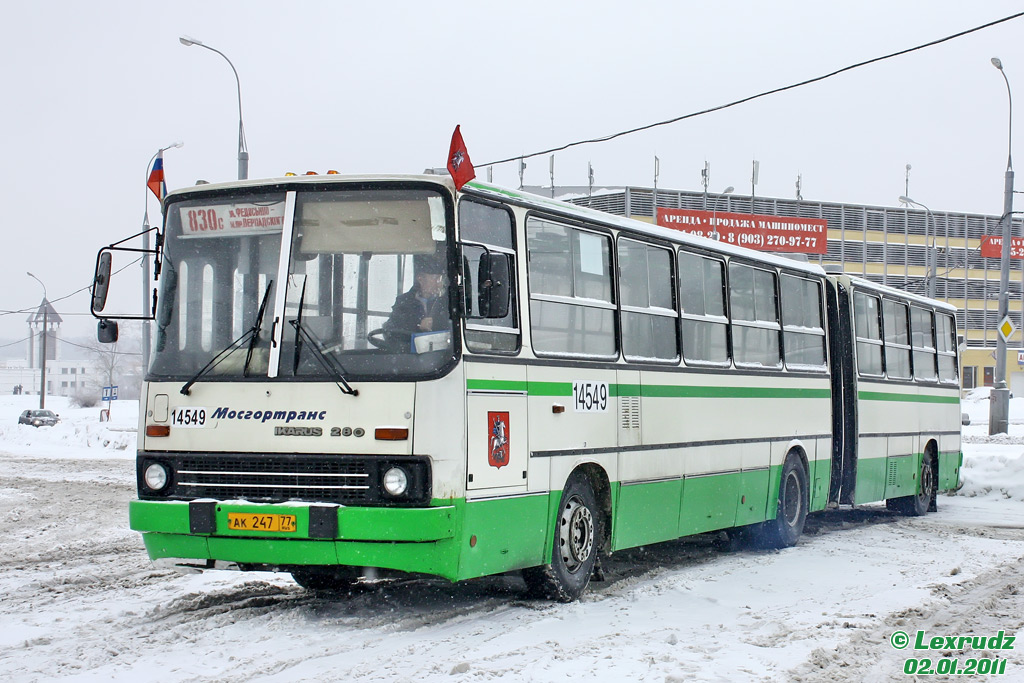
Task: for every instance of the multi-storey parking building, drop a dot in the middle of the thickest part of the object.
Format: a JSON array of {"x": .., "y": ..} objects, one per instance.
[{"x": 889, "y": 245}]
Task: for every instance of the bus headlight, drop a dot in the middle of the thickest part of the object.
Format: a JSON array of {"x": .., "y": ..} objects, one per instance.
[
  {"x": 396, "y": 481},
  {"x": 155, "y": 476}
]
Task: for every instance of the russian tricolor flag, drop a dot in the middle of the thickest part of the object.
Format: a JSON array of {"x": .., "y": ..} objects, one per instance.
[{"x": 156, "y": 182}]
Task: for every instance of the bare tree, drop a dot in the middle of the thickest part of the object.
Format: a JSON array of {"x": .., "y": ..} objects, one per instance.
[{"x": 118, "y": 364}]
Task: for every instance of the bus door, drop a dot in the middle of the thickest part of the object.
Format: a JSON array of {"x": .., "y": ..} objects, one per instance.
[
  {"x": 496, "y": 424},
  {"x": 844, "y": 395}
]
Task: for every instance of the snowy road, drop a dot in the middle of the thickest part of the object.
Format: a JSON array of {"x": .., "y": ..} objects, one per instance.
[{"x": 81, "y": 601}]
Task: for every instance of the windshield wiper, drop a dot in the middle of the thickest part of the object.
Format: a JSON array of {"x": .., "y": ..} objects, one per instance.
[
  {"x": 297, "y": 324},
  {"x": 332, "y": 366},
  {"x": 251, "y": 335},
  {"x": 256, "y": 329}
]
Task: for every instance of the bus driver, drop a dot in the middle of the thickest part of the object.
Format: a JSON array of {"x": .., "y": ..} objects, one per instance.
[{"x": 424, "y": 308}]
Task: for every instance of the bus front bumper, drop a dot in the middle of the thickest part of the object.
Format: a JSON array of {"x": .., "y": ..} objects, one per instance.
[{"x": 406, "y": 539}]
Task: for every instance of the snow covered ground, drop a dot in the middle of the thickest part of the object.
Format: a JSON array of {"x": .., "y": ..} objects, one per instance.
[{"x": 81, "y": 601}]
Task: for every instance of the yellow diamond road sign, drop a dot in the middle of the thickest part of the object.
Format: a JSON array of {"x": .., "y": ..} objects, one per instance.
[{"x": 1006, "y": 328}]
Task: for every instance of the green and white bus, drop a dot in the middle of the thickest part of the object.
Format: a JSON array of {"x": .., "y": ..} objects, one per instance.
[{"x": 592, "y": 383}]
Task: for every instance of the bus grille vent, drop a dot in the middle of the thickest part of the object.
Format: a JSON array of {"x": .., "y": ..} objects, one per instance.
[
  {"x": 262, "y": 478},
  {"x": 891, "y": 479},
  {"x": 629, "y": 412}
]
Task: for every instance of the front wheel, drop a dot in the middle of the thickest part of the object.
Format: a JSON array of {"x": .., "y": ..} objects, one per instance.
[
  {"x": 920, "y": 503},
  {"x": 578, "y": 533},
  {"x": 784, "y": 531}
]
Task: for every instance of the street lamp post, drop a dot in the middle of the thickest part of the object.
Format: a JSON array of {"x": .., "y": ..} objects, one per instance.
[
  {"x": 243, "y": 152},
  {"x": 930, "y": 259},
  {"x": 146, "y": 303},
  {"x": 42, "y": 363},
  {"x": 714, "y": 212},
  {"x": 999, "y": 408}
]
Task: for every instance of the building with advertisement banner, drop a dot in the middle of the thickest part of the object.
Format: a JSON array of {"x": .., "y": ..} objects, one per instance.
[
  {"x": 953, "y": 254},
  {"x": 780, "y": 234}
]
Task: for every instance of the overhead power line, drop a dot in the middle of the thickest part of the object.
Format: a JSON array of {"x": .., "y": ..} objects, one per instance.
[
  {"x": 68, "y": 296},
  {"x": 758, "y": 95},
  {"x": 103, "y": 351}
]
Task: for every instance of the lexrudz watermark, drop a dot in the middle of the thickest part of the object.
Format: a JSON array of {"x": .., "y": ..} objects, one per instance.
[{"x": 924, "y": 666}]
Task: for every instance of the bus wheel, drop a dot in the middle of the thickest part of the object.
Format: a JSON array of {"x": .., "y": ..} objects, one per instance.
[
  {"x": 917, "y": 505},
  {"x": 325, "y": 579},
  {"x": 577, "y": 538},
  {"x": 784, "y": 531}
]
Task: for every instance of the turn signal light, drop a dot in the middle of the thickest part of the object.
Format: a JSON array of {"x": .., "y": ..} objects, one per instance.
[
  {"x": 289, "y": 174},
  {"x": 391, "y": 433},
  {"x": 332, "y": 172},
  {"x": 311, "y": 173},
  {"x": 158, "y": 430}
]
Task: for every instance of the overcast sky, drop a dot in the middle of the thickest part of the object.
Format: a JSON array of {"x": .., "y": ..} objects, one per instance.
[{"x": 92, "y": 90}]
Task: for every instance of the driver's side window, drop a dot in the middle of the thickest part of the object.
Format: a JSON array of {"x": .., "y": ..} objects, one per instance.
[{"x": 490, "y": 225}]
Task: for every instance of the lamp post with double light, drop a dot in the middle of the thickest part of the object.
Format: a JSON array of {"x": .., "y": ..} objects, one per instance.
[
  {"x": 46, "y": 332},
  {"x": 999, "y": 408},
  {"x": 714, "y": 213},
  {"x": 243, "y": 152},
  {"x": 930, "y": 260}
]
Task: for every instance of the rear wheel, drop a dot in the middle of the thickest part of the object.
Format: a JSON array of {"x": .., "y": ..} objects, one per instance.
[
  {"x": 924, "y": 500},
  {"x": 325, "y": 579},
  {"x": 578, "y": 530},
  {"x": 784, "y": 531}
]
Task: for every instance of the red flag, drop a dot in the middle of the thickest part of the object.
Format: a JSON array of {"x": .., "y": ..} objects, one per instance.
[
  {"x": 459, "y": 164},
  {"x": 156, "y": 177}
]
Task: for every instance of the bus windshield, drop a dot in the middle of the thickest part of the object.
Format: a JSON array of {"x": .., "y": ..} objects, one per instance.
[{"x": 314, "y": 283}]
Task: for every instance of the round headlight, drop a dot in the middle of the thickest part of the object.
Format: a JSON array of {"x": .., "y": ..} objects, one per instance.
[
  {"x": 155, "y": 476},
  {"x": 396, "y": 481}
]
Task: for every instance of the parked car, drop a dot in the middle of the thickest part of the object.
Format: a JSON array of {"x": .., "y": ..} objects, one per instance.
[{"x": 39, "y": 418}]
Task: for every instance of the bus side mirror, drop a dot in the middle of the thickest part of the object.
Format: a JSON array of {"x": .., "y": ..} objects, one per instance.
[
  {"x": 493, "y": 278},
  {"x": 101, "y": 282},
  {"x": 106, "y": 331}
]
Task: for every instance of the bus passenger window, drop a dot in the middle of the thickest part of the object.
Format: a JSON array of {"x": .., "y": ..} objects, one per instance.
[
  {"x": 897, "y": 339},
  {"x": 648, "y": 311},
  {"x": 869, "y": 334},
  {"x": 945, "y": 334},
  {"x": 802, "y": 323},
  {"x": 702, "y": 301},
  {"x": 755, "y": 316},
  {"x": 923, "y": 335},
  {"x": 571, "y": 307}
]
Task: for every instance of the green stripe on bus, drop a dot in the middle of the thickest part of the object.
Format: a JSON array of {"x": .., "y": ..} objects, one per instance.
[
  {"x": 495, "y": 385},
  {"x": 907, "y": 398},
  {"x": 550, "y": 389},
  {"x": 667, "y": 391},
  {"x": 649, "y": 390}
]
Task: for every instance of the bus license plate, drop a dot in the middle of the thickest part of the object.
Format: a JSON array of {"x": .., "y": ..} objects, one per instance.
[{"x": 243, "y": 521}]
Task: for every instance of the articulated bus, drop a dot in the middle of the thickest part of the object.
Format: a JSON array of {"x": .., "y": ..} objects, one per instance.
[{"x": 590, "y": 383}]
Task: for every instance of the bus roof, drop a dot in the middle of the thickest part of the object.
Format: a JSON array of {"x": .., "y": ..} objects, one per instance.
[
  {"x": 311, "y": 180},
  {"x": 899, "y": 293}
]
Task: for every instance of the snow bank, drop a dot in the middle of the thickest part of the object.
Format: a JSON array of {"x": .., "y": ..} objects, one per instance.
[
  {"x": 79, "y": 433},
  {"x": 993, "y": 465},
  {"x": 976, "y": 404},
  {"x": 998, "y": 474}
]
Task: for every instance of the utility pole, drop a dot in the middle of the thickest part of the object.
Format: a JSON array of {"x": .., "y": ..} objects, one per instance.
[{"x": 999, "y": 409}]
